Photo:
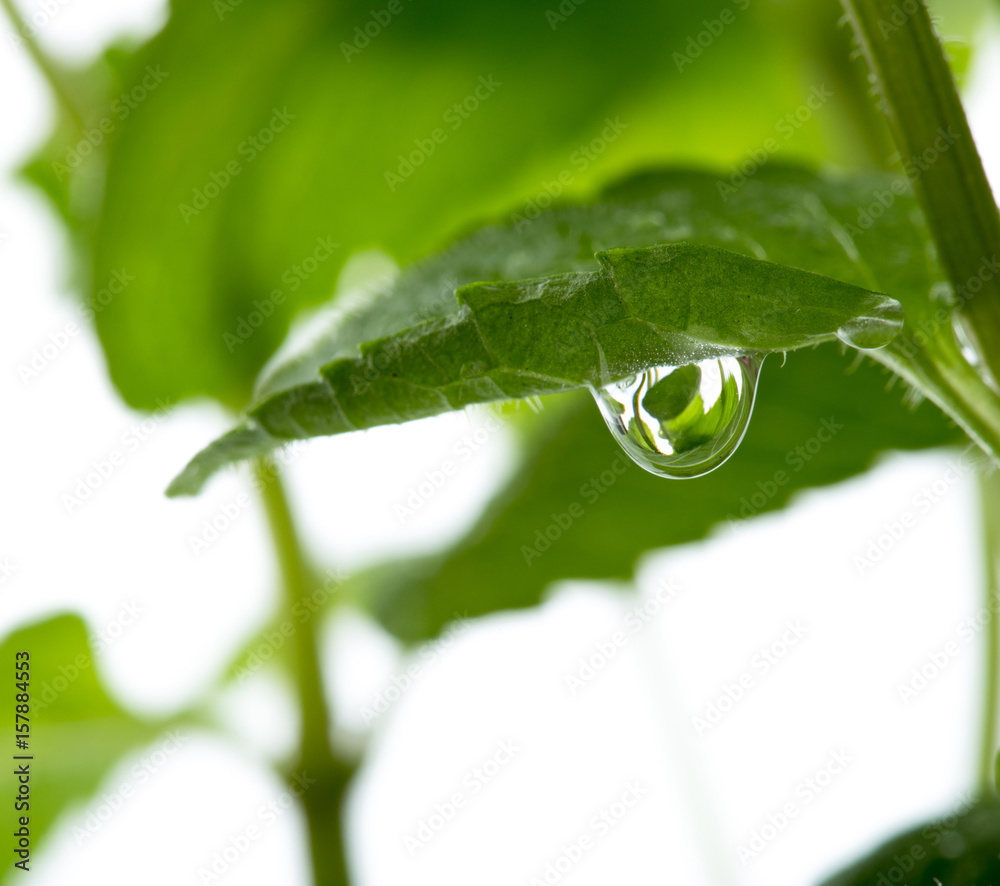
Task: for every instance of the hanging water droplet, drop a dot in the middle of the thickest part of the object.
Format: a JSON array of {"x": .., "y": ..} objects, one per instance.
[
  {"x": 682, "y": 421},
  {"x": 876, "y": 329}
]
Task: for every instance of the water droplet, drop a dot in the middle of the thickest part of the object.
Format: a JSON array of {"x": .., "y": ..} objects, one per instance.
[
  {"x": 965, "y": 338},
  {"x": 876, "y": 329},
  {"x": 682, "y": 421}
]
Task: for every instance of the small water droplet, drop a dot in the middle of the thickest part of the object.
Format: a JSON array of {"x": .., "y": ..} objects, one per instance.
[
  {"x": 965, "y": 338},
  {"x": 682, "y": 421},
  {"x": 876, "y": 329},
  {"x": 943, "y": 293}
]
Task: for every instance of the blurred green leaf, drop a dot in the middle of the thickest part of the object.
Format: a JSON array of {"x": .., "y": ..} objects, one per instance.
[
  {"x": 70, "y": 166},
  {"x": 77, "y": 731},
  {"x": 960, "y": 849},
  {"x": 265, "y": 132}
]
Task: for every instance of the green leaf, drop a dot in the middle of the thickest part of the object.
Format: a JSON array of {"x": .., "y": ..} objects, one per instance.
[
  {"x": 596, "y": 321},
  {"x": 672, "y": 305},
  {"x": 77, "y": 732},
  {"x": 960, "y": 849},
  {"x": 819, "y": 419}
]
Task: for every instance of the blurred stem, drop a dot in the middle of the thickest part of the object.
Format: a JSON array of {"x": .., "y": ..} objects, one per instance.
[
  {"x": 317, "y": 777},
  {"x": 50, "y": 71},
  {"x": 919, "y": 97},
  {"x": 989, "y": 489}
]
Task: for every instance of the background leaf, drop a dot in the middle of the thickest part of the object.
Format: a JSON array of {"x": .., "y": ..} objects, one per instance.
[
  {"x": 960, "y": 849},
  {"x": 819, "y": 419},
  {"x": 77, "y": 731},
  {"x": 321, "y": 176}
]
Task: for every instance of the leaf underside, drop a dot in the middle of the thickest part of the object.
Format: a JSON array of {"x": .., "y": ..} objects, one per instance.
[{"x": 775, "y": 266}]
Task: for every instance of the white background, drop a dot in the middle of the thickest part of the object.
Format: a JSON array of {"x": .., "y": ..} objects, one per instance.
[{"x": 502, "y": 679}]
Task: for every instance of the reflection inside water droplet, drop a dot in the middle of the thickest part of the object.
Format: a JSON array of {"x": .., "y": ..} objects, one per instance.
[
  {"x": 876, "y": 329},
  {"x": 682, "y": 421}
]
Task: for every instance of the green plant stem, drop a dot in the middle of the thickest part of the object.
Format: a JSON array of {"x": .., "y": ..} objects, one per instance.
[
  {"x": 989, "y": 489},
  {"x": 317, "y": 776},
  {"x": 919, "y": 97},
  {"x": 53, "y": 76}
]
